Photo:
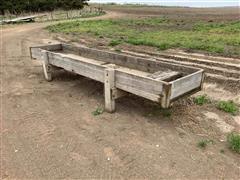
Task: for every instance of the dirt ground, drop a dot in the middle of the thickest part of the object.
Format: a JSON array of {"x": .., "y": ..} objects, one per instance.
[
  {"x": 48, "y": 130},
  {"x": 192, "y": 14}
]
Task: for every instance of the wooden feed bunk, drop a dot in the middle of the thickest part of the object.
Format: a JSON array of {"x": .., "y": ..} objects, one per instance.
[{"x": 154, "y": 80}]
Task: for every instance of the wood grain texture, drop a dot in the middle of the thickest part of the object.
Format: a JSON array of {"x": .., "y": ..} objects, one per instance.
[{"x": 109, "y": 85}]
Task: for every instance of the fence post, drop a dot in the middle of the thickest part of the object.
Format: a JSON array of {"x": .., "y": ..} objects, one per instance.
[{"x": 51, "y": 13}]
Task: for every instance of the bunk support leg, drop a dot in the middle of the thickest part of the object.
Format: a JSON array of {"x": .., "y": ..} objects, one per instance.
[
  {"x": 110, "y": 90},
  {"x": 165, "y": 100},
  {"x": 47, "y": 67},
  {"x": 109, "y": 86}
]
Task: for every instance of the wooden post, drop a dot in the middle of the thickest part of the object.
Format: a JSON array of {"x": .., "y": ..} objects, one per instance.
[
  {"x": 165, "y": 99},
  {"x": 47, "y": 68},
  {"x": 109, "y": 85},
  {"x": 67, "y": 15},
  {"x": 51, "y": 13}
]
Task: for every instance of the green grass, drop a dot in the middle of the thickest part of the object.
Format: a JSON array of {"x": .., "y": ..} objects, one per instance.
[
  {"x": 233, "y": 27},
  {"x": 234, "y": 142},
  {"x": 220, "y": 38},
  {"x": 201, "y": 100},
  {"x": 203, "y": 143},
  {"x": 228, "y": 106},
  {"x": 114, "y": 42},
  {"x": 98, "y": 111}
]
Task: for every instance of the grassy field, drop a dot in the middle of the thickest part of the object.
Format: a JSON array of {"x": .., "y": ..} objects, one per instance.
[{"x": 220, "y": 38}]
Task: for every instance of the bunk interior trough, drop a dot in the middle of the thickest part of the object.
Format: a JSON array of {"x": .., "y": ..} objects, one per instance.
[{"x": 152, "y": 79}]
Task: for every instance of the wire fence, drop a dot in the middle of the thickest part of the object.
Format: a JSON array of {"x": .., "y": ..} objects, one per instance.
[{"x": 59, "y": 14}]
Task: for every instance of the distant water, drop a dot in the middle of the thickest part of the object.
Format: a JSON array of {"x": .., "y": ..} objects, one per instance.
[{"x": 189, "y": 3}]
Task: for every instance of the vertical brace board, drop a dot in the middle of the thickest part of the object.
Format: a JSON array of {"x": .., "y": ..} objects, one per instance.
[
  {"x": 47, "y": 68},
  {"x": 165, "y": 100},
  {"x": 202, "y": 82},
  {"x": 109, "y": 85}
]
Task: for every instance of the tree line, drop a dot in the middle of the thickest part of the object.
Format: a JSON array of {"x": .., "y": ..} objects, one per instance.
[{"x": 19, "y": 6}]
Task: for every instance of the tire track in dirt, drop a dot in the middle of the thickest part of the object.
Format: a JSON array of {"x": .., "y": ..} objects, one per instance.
[{"x": 218, "y": 69}]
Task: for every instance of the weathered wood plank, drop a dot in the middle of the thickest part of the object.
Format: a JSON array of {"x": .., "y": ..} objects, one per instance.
[
  {"x": 21, "y": 19},
  {"x": 35, "y": 52},
  {"x": 94, "y": 70},
  {"x": 109, "y": 85},
  {"x": 139, "y": 92},
  {"x": 90, "y": 70},
  {"x": 185, "y": 84},
  {"x": 143, "y": 83},
  {"x": 47, "y": 68},
  {"x": 165, "y": 75},
  {"x": 129, "y": 61}
]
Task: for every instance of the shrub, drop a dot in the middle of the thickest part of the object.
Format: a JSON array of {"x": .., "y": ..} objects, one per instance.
[
  {"x": 228, "y": 106},
  {"x": 201, "y": 100},
  {"x": 234, "y": 142}
]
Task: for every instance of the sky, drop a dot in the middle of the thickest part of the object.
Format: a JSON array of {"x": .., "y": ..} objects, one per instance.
[{"x": 190, "y": 3}]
